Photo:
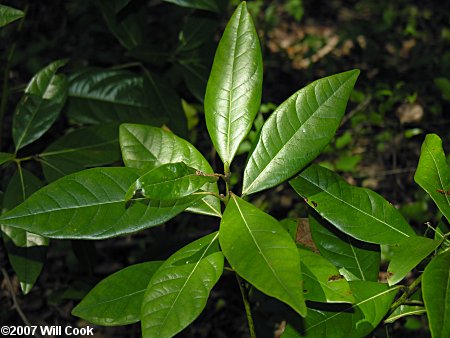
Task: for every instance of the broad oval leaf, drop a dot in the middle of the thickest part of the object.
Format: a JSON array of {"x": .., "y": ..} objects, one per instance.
[
  {"x": 91, "y": 204},
  {"x": 145, "y": 147},
  {"x": 117, "y": 299},
  {"x": 433, "y": 173},
  {"x": 261, "y": 251},
  {"x": 322, "y": 281},
  {"x": 359, "y": 212},
  {"x": 5, "y": 158},
  {"x": 233, "y": 93},
  {"x": 436, "y": 294},
  {"x": 178, "y": 291},
  {"x": 169, "y": 181},
  {"x": 41, "y": 104},
  {"x": 9, "y": 14},
  {"x": 407, "y": 254},
  {"x": 85, "y": 147},
  {"x": 297, "y": 131},
  {"x": 373, "y": 301},
  {"x": 360, "y": 259}
]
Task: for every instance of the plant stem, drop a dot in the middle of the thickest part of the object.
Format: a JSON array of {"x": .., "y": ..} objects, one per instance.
[
  {"x": 248, "y": 311},
  {"x": 408, "y": 292},
  {"x": 5, "y": 89}
]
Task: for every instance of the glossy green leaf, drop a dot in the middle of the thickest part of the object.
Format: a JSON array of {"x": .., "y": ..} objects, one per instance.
[
  {"x": 208, "y": 5},
  {"x": 322, "y": 281},
  {"x": 297, "y": 131},
  {"x": 169, "y": 181},
  {"x": 117, "y": 299},
  {"x": 85, "y": 147},
  {"x": 403, "y": 311},
  {"x": 9, "y": 14},
  {"x": 436, "y": 294},
  {"x": 5, "y": 158},
  {"x": 233, "y": 93},
  {"x": 91, "y": 204},
  {"x": 26, "y": 251},
  {"x": 359, "y": 212},
  {"x": 407, "y": 254},
  {"x": 41, "y": 104},
  {"x": 146, "y": 147},
  {"x": 105, "y": 95},
  {"x": 361, "y": 259},
  {"x": 347, "y": 321},
  {"x": 261, "y": 251},
  {"x": 178, "y": 291},
  {"x": 433, "y": 173}
]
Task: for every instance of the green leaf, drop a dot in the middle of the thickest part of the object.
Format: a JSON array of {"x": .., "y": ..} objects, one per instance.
[
  {"x": 9, "y": 14},
  {"x": 372, "y": 303},
  {"x": 433, "y": 173},
  {"x": 233, "y": 93},
  {"x": 298, "y": 131},
  {"x": 41, "y": 104},
  {"x": 196, "y": 31},
  {"x": 146, "y": 148},
  {"x": 91, "y": 204},
  {"x": 169, "y": 181},
  {"x": 407, "y": 254},
  {"x": 361, "y": 259},
  {"x": 322, "y": 281},
  {"x": 5, "y": 158},
  {"x": 100, "y": 95},
  {"x": 360, "y": 213},
  {"x": 26, "y": 251},
  {"x": 208, "y": 5},
  {"x": 85, "y": 147},
  {"x": 404, "y": 311},
  {"x": 261, "y": 251},
  {"x": 436, "y": 294},
  {"x": 117, "y": 299},
  {"x": 178, "y": 291}
]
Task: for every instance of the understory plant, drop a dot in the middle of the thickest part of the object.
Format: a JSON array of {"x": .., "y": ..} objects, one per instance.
[{"x": 325, "y": 269}]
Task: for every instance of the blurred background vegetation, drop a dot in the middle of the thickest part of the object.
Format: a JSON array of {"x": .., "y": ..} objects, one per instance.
[{"x": 403, "y": 93}]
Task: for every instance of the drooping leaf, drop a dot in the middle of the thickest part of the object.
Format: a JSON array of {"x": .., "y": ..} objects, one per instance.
[
  {"x": 403, "y": 311},
  {"x": 407, "y": 254},
  {"x": 91, "y": 204},
  {"x": 208, "y": 5},
  {"x": 361, "y": 259},
  {"x": 9, "y": 14},
  {"x": 85, "y": 147},
  {"x": 436, "y": 294},
  {"x": 5, "y": 158},
  {"x": 297, "y": 131},
  {"x": 262, "y": 252},
  {"x": 233, "y": 93},
  {"x": 433, "y": 173},
  {"x": 169, "y": 181},
  {"x": 100, "y": 95},
  {"x": 359, "y": 212},
  {"x": 348, "y": 321},
  {"x": 178, "y": 291},
  {"x": 322, "y": 281},
  {"x": 41, "y": 104},
  {"x": 146, "y": 147},
  {"x": 26, "y": 251},
  {"x": 117, "y": 299}
]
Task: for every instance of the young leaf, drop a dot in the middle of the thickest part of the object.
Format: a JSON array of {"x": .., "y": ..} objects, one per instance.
[
  {"x": 433, "y": 173},
  {"x": 361, "y": 259},
  {"x": 5, "y": 158},
  {"x": 407, "y": 254},
  {"x": 169, "y": 181},
  {"x": 117, "y": 299},
  {"x": 9, "y": 14},
  {"x": 403, "y": 311},
  {"x": 91, "y": 204},
  {"x": 322, "y": 281},
  {"x": 297, "y": 131},
  {"x": 44, "y": 98},
  {"x": 360, "y": 213},
  {"x": 261, "y": 251},
  {"x": 146, "y": 148},
  {"x": 233, "y": 93},
  {"x": 178, "y": 291},
  {"x": 436, "y": 294},
  {"x": 85, "y": 147}
]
